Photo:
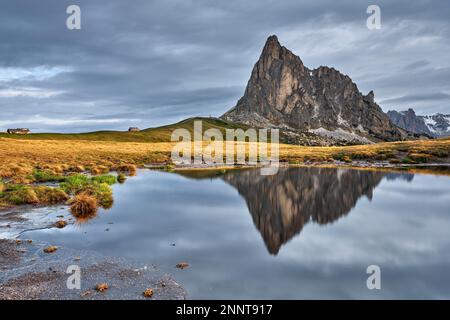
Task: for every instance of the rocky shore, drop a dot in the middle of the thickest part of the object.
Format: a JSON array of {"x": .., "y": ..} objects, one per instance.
[{"x": 29, "y": 272}]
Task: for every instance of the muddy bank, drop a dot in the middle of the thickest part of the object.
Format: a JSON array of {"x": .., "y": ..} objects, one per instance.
[
  {"x": 27, "y": 272},
  {"x": 17, "y": 220}
]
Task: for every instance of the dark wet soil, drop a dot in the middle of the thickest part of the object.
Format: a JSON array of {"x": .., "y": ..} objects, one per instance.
[
  {"x": 27, "y": 273},
  {"x": 9, "y": 254}
]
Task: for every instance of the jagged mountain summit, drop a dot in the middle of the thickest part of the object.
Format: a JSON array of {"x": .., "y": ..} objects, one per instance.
[
  {"x": 437, "y": 125},
  {"x": 283, "y": 93}
]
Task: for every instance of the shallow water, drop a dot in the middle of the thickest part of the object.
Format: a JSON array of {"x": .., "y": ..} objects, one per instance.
[{"x": 303, "y": 233}]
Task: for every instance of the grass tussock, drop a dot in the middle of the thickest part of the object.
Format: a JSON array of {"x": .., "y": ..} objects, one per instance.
[
  {"x": 83, "y": 206},
  {"x": 121, "y": 178},
  {"x": 18, "y": 195},
  {"x": 96, "y": 170},
  {"x": 97, "y": 187},
  {"x": 37, "y": 195},
  {"x": 108, "y": 179},
  {"x": 127, "y": 169},
  {"x": 77, "y": 168},
  {"x": 46, "y": 176},
  {"x": 49, "y": 195},
  {"x": 74, "y": 184}
]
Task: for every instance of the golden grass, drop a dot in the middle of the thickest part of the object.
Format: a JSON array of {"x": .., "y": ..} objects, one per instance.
[
  {"x": 19, "y": 157},
  {"x": 23, "y": 161},
  {"x": 437, "y": 150}
]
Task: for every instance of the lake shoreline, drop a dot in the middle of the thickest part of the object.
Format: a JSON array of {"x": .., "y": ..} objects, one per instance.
[
  {"x": 13, "y": 249},
  {"x": 16, "y": 214},
  {"x": 424, "y": 168}
]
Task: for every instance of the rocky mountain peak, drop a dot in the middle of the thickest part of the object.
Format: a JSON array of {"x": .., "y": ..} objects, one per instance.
[
  {"x": 273, "y": 50},
  {"x": 272, "y": 47},
  {"x": 436, "y": 125},
  {"x": 370, "y": 97},
  {"x": 283, "y": 93}
]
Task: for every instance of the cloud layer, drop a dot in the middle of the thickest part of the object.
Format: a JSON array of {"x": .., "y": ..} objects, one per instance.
[{"x": 149, "y": 63}]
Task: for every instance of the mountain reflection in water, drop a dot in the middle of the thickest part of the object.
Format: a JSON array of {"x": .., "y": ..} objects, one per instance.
[
  {"x": 247, "y": 236},
  {"x": 282, "y": 204}
]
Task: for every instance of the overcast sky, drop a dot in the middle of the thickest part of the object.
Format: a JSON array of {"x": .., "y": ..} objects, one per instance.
[{"x": 147, "y": 63}]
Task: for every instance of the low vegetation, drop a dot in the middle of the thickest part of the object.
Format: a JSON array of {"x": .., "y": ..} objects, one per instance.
[
  {"x": 42, "y": 169},
  {"x": 83, "y": 206},
  {"x": 72, "y": 185},
  {"x": 411, "y": 152},
  {"x": 36, "y": 195}
]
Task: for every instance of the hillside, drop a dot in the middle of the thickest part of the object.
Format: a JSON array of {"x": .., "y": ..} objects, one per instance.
[{"x": 158, "y": 134}]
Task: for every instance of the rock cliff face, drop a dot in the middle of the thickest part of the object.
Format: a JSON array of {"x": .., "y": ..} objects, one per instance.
[
  {"x": 409, "y": 121},
  {"x": 283, "y": 93},
  {"x": 437, "y": 125}
]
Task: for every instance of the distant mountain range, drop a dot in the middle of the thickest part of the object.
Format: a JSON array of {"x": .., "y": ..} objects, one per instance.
[
  {"x": 437, "y": 125},
  {"x": 285, "y": 94}
]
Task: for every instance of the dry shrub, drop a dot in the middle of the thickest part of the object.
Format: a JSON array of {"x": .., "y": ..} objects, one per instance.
[{"x": 83, "y": 205}]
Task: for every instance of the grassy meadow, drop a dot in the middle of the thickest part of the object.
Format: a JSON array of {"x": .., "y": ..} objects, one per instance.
[{"x": 66, "y": 159}]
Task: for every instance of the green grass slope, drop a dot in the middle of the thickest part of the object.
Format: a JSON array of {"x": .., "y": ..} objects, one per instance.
[{"x": 158, "y": 134}]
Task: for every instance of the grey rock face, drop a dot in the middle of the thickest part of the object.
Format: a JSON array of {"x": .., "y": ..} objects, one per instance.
[
  {"x": 408, "y": 120},
  {"x": 437, "y": 125},
  {"x": 283, "y": 93}
]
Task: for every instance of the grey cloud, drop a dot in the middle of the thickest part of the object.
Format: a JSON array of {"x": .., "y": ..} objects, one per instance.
[
  {"x": 437, "y": 96},
  {"x": 416, "y": 65},
  {"x": 162, "y": 61}
]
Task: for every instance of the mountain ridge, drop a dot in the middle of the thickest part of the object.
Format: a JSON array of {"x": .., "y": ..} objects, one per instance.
[
  {"x": 285, "y": 94},
  {"x": 436, "y": 125}
]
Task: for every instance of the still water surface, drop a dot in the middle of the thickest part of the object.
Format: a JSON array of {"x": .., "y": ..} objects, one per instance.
[{"x": 303, "y": 233}]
